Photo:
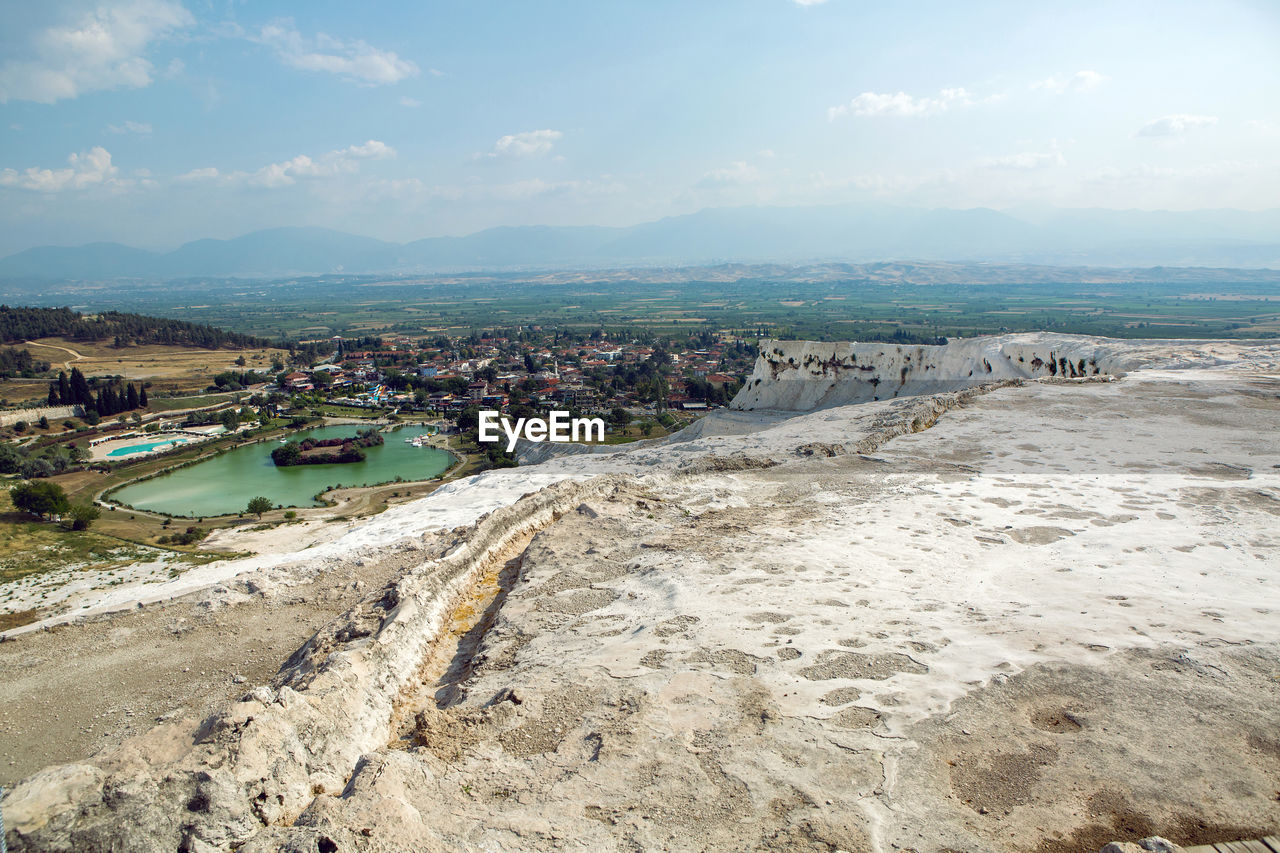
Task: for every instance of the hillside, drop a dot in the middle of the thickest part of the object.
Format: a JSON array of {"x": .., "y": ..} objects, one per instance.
[{"x": 23, "y": 324}]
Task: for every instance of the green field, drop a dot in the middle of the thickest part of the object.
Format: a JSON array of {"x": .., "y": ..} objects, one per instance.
[{"x": 831, "y": 309}]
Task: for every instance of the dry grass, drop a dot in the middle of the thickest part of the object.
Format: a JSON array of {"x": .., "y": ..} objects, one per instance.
[
  {"x": 166, "y": 366},
  {"x": 28, "y": 546}
]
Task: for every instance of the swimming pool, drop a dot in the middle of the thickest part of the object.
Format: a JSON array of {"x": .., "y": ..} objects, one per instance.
[{"x": 146, "y": 448}]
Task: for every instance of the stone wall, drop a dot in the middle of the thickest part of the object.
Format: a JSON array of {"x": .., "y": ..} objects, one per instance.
[{"x": 9, "y": 417}]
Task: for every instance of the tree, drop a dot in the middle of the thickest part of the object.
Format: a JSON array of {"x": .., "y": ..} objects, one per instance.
[
  {"x": 131, "y": 397},
  {"x": 44, "y": 422},
  {"x": 142, "y": 398},
  {"x": 469, "y": 422},
  {"x": 286, "y": 454},
  {"x": 82, "y": 515},
  {"x": 34, "y": 469},
  {"x": 43, "y": 499},
  {"x": 79, "y": 389},
  {"x": 10, "y": 458},
  {"x": 230, "y": 419},
  {"x": 259, "y": 505}
]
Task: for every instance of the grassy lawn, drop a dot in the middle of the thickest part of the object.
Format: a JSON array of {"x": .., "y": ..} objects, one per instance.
[
  {"x": 335, "y": 411},
  {"x": 169, "y": 404},
  {"x": 634, "y": 433},
  {"x": 28, "y": 546}
]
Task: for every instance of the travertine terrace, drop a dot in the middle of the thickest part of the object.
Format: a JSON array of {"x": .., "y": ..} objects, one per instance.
[{"x": 978, "y": 604}]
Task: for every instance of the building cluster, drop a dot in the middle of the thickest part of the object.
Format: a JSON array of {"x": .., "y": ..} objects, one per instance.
[{"x": 497, "y": 372}]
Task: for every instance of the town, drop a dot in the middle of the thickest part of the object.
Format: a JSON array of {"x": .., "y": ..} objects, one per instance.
[{"x": 522, "y": 371}]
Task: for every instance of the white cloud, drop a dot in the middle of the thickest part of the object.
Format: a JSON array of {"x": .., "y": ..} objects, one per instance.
[
  {"x": 901, "y": 104},
  {"x": 809, "y": 2},
  {"x": 1175, "y": 125},
  {"x": 735, "y": 174},
  {"x": 371, "y": 150},
  {"x": 1025, "y": 161},
  {"x": 355, "y": 60},
  {"x": 140, "y": 128},
  {"x": 102, "y": 48},
  {"x": 337, "y": 162},
  {"x": 87, "y": 169},
  {"x": 410, "y": 102},
  {"x": 530, "y": 143},
  {"x": 206, "y": 174},
  {"x": 1081, "y": 81}
]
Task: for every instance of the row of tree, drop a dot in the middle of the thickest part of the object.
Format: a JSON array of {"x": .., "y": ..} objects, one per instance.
[{"x": 111, "y": 398}]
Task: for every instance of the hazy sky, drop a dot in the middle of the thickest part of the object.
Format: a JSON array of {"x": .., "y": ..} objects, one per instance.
[{"x": 152, "y": 122}]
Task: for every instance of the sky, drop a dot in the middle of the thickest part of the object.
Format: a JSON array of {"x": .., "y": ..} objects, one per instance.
[{"x": 155, "y": 122}]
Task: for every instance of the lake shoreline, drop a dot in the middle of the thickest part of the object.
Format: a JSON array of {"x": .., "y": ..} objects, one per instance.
[{"x": 248, "y": 467}]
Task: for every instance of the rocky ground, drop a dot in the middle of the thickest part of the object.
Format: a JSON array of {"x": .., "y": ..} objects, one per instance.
[
  {"x": 73, "y": 690},
  {"x": 1038, "y": 618}
]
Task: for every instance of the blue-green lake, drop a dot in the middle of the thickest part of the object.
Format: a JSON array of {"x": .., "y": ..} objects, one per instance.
[{"x": 223, "y": 485}]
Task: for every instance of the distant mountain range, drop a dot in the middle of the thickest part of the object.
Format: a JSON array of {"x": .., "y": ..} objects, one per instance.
[{"x": 847, "y": 233}]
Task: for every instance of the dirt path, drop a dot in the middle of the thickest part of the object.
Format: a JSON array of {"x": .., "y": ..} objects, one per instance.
[{"x": 66, "y": 365}]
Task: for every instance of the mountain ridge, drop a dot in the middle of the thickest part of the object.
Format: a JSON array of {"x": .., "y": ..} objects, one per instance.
[{"x": 853, "y": 233}]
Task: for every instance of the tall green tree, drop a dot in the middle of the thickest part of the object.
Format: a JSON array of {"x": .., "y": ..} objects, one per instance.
[
  {"x": 43, "y": 499},
  {"x": 259, "y": 505},
  {"x": 80, "y": 395}
]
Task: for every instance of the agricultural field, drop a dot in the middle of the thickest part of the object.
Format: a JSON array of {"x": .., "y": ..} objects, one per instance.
[{"x": 829, "y": 308}]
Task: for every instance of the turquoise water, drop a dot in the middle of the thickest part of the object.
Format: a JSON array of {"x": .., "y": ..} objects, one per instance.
[
  {"x": 223, "y": 485},
  {"x": 143, "y": 448}
]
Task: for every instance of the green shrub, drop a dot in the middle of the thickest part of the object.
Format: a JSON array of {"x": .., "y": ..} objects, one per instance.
[{"x": 83, "y": 515}]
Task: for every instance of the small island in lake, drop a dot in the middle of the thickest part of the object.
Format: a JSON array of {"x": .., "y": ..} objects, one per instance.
[{"x": 323, "y": 451}]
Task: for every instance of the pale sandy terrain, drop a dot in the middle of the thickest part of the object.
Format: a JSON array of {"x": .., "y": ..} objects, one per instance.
[{"x": 1033, "y": 619}]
